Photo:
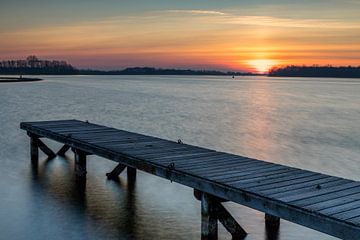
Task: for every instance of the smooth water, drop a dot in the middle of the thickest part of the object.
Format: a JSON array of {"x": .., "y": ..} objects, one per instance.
[{"x": 308, "y": 123}]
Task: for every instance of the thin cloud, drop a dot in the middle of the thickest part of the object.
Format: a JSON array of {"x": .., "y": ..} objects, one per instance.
[
  {"x": 218, "y": 17},
  {"x": 200, "y": 12},
  {"x": 287, "y": 22}
]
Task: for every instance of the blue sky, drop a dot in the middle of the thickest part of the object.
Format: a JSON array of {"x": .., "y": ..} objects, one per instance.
[{"x": 25, "y": 13}]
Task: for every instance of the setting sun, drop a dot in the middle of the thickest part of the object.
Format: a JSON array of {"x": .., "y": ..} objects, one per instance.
[{"x": 262, "y": 65}]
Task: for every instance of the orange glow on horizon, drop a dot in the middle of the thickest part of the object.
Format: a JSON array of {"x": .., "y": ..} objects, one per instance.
[{"x": 262, "y": 65}]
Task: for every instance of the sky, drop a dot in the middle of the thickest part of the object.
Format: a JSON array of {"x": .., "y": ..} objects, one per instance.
[{"x": 224, "y": 35}]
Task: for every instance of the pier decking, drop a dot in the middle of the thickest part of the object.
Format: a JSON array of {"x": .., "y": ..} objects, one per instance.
[{"x": 318, "y": 201}]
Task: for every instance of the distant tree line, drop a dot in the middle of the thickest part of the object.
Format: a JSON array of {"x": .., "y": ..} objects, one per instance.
[
  {"x": 159, "y": 71},
  {"x": 33, "y": 65},
  {"x": 316, "y": 71}
]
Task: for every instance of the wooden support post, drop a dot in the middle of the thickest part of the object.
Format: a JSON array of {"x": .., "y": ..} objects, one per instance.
[
  {"x": 34, "y": 150},
  {"x": 236, "y": 231},
  {"x": 209, "y": 227},
  {"x": 45, "y": 149},
  {"x": 211, "y": 211},
  {"x": 80, "y": 163},
  {"x": 131, "y": 174},
  {"x": 272, "y": 221},
  {"x": 116, "y": 171},
  {"x": 63, "y": 150}
]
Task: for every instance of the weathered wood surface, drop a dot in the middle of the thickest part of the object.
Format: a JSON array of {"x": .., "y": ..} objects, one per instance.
[{"x": 318, "y": 201}]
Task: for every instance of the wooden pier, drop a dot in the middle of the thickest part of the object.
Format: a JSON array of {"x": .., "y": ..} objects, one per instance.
[{"x": 317, "y": 201}]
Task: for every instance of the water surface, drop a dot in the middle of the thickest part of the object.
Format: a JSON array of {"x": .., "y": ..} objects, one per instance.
[{"x": 308, "y": 123}]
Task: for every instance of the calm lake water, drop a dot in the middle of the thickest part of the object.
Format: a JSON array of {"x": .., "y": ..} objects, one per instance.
[{"x": 308, "y": 123}]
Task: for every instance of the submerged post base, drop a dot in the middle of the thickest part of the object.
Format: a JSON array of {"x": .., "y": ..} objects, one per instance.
[
  {"x": 272, "y": 221},
  {"x": 80, "y": 163},
  {"x": 131, "y": 174}
]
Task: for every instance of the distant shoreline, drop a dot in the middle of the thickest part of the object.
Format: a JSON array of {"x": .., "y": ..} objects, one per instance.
[
  {"x": 34, "y": 66},
  {"x": 315, "y": 72},
  {"x": 18, "y": 79}
]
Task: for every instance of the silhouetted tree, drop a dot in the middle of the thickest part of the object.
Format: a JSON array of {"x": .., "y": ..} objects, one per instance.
[
  {"x": 33, "y": 65},
  {"x": 316, "y": 71}
]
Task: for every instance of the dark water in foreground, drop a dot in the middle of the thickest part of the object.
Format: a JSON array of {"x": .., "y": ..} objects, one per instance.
[{"x": 307, "y": 123}]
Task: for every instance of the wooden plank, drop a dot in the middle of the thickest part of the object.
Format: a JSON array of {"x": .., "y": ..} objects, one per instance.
[
  {"x": 140, "y": 146},
  {"x": 356, "y": 221},
  {"x": 176, "y": 154},
  {"x": 111, "y": 139},
  {"x": 170, "y": 151},
  {"x": 215, "y": 164},
  {"x": 119, "y": 141},
  {"x": 312, "y": 188},
  {"x": 189, "y": 163},
  {"x": 192, "y": 154},
  {"x": 179, "y": 164},
  {"x": 100, "y": 139},
  {"x": 116, "y": 134},
  {"x": 248, "y": 180},
  {"x": 319, "y": 192},
  {"x": 315, "y": 182},
  {"x": 219, "y": 163},
  {"x": 342, "y": 207},
  {"x": 217, "y": 167},
  {"x": 331, "y": 205},
  {"x": 68, "y": 126},
  {"x": 248, "y": 168},
  {"x": 165, "y": 160},
  {"x": 288, "y": 184},
  {"x": 234, "y": 173},
  {"x": 81, "y": 129},
  {"x": 35, "y": 123},
  {"x": 157, "y": 150},
  {"x": 299, "y": 174},
  {"x": 85, "y": 136},
  {"x": 154, "y": 144},
  {"x": 330, "y": 195},
  {"x": 179, "y": 159},
  {"x": 52, "y": 123},
  {"x": 85, "y": 131},
  {"x": 352, "y": 213},
  {"x": 148, "y": 149},
  {"x": 263, "y": 170}
]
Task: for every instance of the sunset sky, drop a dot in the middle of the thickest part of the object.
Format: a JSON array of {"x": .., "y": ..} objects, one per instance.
[{"x": 225, "y": 35}]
